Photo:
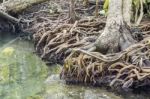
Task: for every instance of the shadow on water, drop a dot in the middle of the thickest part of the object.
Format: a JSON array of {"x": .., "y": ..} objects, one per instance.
[
  {"x": 5, "y": 38},
  {"x": 24, "y": 76}
]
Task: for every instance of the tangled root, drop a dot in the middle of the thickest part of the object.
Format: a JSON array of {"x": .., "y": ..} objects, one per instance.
[
  {"x": 57, "y": 43},
  {"x": 127, "y": 69},
  {"x": 55, "y": 36},
  {"x": 56, "y": 40}
]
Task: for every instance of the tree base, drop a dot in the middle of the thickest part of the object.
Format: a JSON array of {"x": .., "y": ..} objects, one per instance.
[
  {"x": 124, "y": 69},
  {"x": 115, "y": 39}
]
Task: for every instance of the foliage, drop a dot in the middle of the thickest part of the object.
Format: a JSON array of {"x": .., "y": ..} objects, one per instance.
[
  {"x": 139, "y": 7},
  {"x": 105, "y": 6}
]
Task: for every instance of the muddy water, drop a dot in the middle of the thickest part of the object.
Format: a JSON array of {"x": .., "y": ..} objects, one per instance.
[{"x": 24, "y": 76}]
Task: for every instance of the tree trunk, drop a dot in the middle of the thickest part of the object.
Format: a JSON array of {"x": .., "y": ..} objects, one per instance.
[
  {"x": 72, "y": 14},
  {"x": 116, "y": 35},
  {"x": 16, "y": 6},
  {"x": 127, "y": 7}
]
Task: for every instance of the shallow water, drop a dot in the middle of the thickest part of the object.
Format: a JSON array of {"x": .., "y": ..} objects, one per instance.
[
  {"x": 21, "y": 73},
  {"x": 24, "y": 76}
]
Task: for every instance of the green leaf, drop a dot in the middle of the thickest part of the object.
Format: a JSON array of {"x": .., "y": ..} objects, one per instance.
[
  {"x": 148, "y": 1},
  {"x": 105, "y": 6}
]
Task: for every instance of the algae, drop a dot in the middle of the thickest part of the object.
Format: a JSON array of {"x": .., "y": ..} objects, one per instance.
[{"x": 22, "y": 73}]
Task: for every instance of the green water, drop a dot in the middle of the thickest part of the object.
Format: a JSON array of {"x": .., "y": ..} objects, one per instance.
[
  {"x": 5, "y": 38},
  {"x": 22, "y": 73},
  {"x": 24, "y": 76}
]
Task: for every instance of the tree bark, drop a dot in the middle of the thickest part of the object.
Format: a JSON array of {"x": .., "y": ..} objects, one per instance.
[
  {"x": 116, "y": 35},
  {"x": 127, "y": 7},
  {"x": 72, "y": 14},
  {"x": 16, "y": 6}
]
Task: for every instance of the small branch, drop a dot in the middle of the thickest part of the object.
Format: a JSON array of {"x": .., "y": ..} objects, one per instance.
[
  {"x": 96, "y": 9},
  {"x": 8, "y": 17},
  {"x": 72, "y": 14},
  {"x": 104, "y": 58},
  {"x": 141, "y": 13},
  {"x": 74, "y": 25}
]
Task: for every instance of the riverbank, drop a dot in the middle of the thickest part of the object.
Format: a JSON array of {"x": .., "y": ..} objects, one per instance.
[
  {"x": 55, "y": 37},
  {"x": 28, "y": 78}
]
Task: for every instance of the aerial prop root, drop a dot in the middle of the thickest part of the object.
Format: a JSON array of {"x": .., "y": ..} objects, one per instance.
[
  {"x": 90, "y": 67},
  {"x": 59, "y": 41}
]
